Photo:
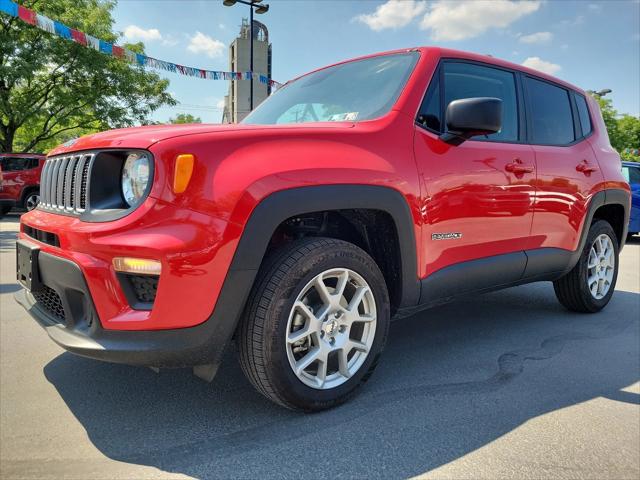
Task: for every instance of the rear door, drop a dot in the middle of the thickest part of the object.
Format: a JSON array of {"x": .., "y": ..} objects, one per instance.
[
  {"x": 568, "y": 170},
  {"x": 478, "y": 195}
]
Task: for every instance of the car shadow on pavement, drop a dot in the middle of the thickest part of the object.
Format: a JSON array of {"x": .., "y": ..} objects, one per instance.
[{"x": 452, "y": 380}]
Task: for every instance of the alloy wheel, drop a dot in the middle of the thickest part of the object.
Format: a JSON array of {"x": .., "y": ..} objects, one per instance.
[
  {"x": 32, "y": 201},
  {"x": 601, "y": 266},
  {"x": 331, "y": 328}
]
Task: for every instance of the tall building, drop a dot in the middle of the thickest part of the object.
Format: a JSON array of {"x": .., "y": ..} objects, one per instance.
[{"x": 236, "y": 103}]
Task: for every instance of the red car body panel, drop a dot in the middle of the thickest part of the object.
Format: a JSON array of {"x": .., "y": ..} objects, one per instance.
[
  {"x": 448, "y": 189},
  {"x": 15, "y": 183}
]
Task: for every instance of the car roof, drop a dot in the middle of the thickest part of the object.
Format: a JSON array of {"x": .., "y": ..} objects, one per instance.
[
  {"x": 460, "y": 54},
  {"x": 21, "y": 155},
  {"x": 631, "y": 164}
]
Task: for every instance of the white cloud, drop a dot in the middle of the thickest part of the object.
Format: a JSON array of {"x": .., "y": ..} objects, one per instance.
[
  {"x": 220, "y": 103},
  {"x": 136, "y": 33},
  {"x": 392, "y": 14},
  {"x": 222, "y": 26},
  {"x": 540, "y": 38},
  {"x": 574, "y": 22},
  {"x": 538, "y": 64},
  {"x": 201, "y": 43},
  {"x": 467, "y": 19},
  {"x": 594, "y": 7}
]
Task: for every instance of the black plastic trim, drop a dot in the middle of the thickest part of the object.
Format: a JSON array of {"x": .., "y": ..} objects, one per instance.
[
  {"x": 516, "y": 268},
  {"x": 130, "y": 294},
  {"x": 205, "y": 343}
]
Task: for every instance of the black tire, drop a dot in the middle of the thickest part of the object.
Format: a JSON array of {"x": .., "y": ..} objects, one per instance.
[
  {"x": 263, "y": 329},
  {"x": 572, "y": 289}
]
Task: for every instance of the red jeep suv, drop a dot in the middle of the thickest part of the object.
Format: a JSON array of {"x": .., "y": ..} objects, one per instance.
[
  {"x": 20, "y": 180},
  {"x": 359, "y": 192}
]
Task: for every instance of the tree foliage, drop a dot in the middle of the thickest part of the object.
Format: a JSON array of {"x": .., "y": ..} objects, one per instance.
[
  {"x": 185, "y": 118},
  {"x": 52, "y": 89},
  {"x": 624, "y": 130}
]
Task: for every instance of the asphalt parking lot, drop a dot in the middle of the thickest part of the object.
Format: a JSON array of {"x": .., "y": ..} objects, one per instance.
[{"x": 505, "y": 385}]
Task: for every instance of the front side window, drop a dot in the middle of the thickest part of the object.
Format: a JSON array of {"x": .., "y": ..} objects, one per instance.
[
  {"x": 467, "y": 80},
  {"x": 550, "y": 110},
  {"x": 349, "y": 92},
  {"x": 583, "y": 114}
]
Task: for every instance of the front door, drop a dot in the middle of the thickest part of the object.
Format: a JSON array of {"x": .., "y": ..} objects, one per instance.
[{"x": 478, "y": 196}]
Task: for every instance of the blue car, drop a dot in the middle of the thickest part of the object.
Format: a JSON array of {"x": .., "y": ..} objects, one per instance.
[{"x": 631, "y": 171}]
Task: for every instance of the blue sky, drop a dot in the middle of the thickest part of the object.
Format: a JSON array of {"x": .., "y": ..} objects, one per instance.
[{"x": 589, "y": 43}]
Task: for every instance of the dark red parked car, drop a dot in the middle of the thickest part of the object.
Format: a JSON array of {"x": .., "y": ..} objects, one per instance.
[
  {"x": 359, "y": 192},
  {"x": 20, "y": 181}
]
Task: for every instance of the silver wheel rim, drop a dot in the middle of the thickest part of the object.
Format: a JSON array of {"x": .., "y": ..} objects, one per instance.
[
  {"x": 601, "y": 266},
  {"x": 32, "y": 201},
  {"x": 331, "y": 328}
]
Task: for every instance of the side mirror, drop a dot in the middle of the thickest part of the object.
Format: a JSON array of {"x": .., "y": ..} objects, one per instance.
[{"x": 468, "y": 117}]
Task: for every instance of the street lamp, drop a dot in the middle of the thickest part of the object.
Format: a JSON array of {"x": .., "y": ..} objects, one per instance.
[
  {"x": 260, "y": 9},
  {"x": 600, "y": 93}
]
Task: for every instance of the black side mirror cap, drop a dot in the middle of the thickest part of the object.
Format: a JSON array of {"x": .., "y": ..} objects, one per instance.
[{"x": 468, "y": 117}]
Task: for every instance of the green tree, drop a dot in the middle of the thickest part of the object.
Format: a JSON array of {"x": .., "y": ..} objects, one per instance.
[
  {"x": 624, "y": 130},
  {"x": 185, "y": 118},
  {"x": 52, "y": 89}
]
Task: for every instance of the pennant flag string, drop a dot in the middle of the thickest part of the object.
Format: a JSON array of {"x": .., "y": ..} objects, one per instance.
[{"x": 32, "y": 18}]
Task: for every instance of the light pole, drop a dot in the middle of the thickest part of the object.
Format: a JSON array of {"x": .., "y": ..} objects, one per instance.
[
  {"x": 260, "y": 9},
  {"x": 600, "y": 93}
]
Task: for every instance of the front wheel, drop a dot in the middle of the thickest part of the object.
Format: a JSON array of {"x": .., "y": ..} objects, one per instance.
[
  {"x": 315, "y": 324},
  {"x": 588, "y": 287},
  {"x": 31, "y": 200}
]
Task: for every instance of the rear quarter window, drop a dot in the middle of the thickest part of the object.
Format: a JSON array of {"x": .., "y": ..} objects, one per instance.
[{"x": 583, "y": 114}]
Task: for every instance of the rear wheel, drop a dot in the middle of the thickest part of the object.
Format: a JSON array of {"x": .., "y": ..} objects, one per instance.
[
  {"x": 315, "y": 325},
  {"x": 588, "y": 287}
]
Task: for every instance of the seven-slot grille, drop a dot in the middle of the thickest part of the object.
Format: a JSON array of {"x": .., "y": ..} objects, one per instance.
[{"x": 64, "y": 183}]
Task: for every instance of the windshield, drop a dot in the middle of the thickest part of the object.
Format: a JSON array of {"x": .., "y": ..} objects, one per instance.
[{"x": 349, "y": 92}]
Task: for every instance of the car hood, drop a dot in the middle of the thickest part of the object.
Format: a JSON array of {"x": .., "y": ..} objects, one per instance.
[{"x": 144, "y": 137}]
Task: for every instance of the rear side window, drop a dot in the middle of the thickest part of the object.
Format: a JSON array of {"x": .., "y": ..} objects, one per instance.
[
  {"x": 16, "y": 164},
  {"x": 583, "y": 114},
  {"x": 468, "y": 80},
  {"x": 550, "y": 113}
]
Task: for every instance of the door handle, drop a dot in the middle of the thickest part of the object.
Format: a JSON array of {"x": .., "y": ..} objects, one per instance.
[
  {"x": 586, "y": 168},
  {"x": 518, "y": 167}
]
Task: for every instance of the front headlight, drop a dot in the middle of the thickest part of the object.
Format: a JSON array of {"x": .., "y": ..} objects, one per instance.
[{"x": 135, "y": 178}]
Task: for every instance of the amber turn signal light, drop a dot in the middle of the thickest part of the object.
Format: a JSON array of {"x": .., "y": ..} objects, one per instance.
[
  {"x": 183, "y": 171},
  {"x": 139, "y": 266}
]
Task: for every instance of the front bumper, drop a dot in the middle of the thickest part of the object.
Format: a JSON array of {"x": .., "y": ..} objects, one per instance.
[
  {"x": 79, "y": 330},
  {"x": 198, "y": 300},
  {"x": 155, "y": 348}
]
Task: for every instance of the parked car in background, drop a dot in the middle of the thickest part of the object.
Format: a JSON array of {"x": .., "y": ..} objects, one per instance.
[
  {"x": 20, "y": 180},
  {"x": 631, "y": 171},
  {"x": 361, "y": 191}
]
